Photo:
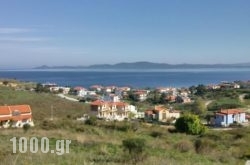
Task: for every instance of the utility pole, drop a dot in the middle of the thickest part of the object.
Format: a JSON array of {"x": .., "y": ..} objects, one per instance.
[{"x": 51, "y": 112}]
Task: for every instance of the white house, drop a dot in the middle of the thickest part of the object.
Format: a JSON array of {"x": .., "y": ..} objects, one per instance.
[
  {"x": 228, "y": 116},
  {"x": 141, "y": 94},
  {"x": 80, "y": 91}
]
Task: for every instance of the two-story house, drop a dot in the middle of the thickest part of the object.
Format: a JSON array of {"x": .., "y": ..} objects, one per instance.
[
  {"x": 162, "y": 114},
  {"x": 109, "y": 110}
]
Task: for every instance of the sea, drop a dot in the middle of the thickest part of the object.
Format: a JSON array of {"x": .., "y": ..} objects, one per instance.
[{"x": 131, "y": 78}]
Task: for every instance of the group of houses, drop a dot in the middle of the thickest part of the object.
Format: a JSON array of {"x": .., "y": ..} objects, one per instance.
[
  {"x": 117, "y": 110},
  {"x": 15, "y": 116},
  {"x": 108, "y": 104}
]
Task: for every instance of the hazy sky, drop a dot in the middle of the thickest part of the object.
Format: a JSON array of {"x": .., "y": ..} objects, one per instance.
[{"x": 85, "y": 32}]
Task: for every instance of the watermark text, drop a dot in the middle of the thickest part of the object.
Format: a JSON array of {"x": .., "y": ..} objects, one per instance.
[{"x": 34, "y": 145}]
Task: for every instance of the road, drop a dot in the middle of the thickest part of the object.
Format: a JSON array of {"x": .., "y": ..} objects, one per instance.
[{"x": 67, "y": 98}]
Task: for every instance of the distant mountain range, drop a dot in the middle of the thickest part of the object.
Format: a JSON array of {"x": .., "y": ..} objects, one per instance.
[{"x": 148, "y": 65}]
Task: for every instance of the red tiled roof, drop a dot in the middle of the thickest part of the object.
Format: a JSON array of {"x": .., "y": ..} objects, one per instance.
[
  {"x": 4, "y": 110},
  {"x": 118, "y": 103},
  {"x": 148, "y": 112},
  {"x": 140, "y": 93},
  {"x": 97, "y": 102},
  {"x": 79, "y": 88},
  {"x": 100, "y": 102},
  {"x": 5, "y": 118},
  {"x": 230, "y": 111},
  {"x": 21, "y": 108},
  {"x": 96, "y": 86}
]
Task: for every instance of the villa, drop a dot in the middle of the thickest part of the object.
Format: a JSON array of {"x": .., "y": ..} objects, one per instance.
[
  {"x": 15, "y": 116},
  {"x": 110, "y": 110},
  {"x": 162, "y": 114}
]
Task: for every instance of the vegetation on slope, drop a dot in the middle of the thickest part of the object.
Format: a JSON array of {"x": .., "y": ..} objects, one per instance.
[{"x": 108, "y": 142}]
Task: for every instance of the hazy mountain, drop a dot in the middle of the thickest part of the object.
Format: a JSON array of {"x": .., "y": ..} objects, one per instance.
[{"x": 148, "y": 65}]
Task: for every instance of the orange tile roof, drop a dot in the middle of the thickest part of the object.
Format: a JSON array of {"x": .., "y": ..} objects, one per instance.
[
  {"x": 78, "y": 88},
  {"x": 100, "y": 102},
  {"x": 119, "y": 103},
  {"x": 4, "y": 110},
  {"x": 21, "y": 108},
  {"x": 149, "y": 112},
  {"x": 97, "y": 102},
  {"x": 230, "y": 111},
  {"x": 5, "y": 118}
]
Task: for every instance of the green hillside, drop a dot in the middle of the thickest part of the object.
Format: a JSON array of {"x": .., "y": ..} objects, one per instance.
[{"x": 101, "y": 142}]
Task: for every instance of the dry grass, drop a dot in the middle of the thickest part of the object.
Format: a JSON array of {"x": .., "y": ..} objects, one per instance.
[{"x": 102, "y": 144}]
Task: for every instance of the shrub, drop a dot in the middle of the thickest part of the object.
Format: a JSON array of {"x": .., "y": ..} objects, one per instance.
[
  {"x": 91, "y": 121},
  {"x": 26, "y": 127},
  {"x": 184, "y": 146},
  {"x": 247, "y": 96},
  {"x": 156, "y": 134},
  {"x": 135, "y": 147},
  {"x": 204, "y": 146},
  {"x": 190, "y": 124},
  {"x": 48, "y": 125}
]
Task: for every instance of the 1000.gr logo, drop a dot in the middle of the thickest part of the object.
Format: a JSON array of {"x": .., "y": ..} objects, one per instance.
[{"x": 62, "y": 146}]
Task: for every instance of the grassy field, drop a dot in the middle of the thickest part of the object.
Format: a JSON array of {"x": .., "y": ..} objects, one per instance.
[{"x": 101, "y": 143}]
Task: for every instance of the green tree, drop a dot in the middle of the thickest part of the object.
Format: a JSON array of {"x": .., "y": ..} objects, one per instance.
[
  {"x": 163, "y": 98},
  {"x": 199, "y": 107},
  {"x": 192, "y": 89},
  {"x": 190, "y": 124},
  {"x": 201, "y": 90},
  {"x": 133, "y": 97},
  {"x": 40, "y": 88}
]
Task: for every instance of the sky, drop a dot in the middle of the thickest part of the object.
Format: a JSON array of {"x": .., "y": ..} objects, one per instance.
[{"x": 86, "y": 32}]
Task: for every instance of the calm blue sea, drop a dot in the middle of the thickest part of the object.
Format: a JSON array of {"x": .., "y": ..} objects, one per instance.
[{"x": 133, "y": 78}]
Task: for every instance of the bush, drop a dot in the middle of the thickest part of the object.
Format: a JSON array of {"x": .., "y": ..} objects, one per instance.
[
  {"x": 135, "y": 147},
  {"x": 91, "y": 121},
  {"x": 26, "y": 127},
  {"x": 190, "y": 124},
  {"x": 204, "y": 146},
  {"x": 184, "y": 146},
  {"x": 247, "y": 96},
  {"x": 155, "y": 134},
  {"x": 48, "y": 125}
]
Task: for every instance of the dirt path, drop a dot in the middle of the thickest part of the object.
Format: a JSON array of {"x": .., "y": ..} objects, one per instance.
[
  {"x": 241, "y": 97},
  {"x": 66, "y": 97},
  {"x": 208, "y": 102}
]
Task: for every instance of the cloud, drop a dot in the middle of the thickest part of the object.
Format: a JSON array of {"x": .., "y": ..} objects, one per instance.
[
  {"x": 14, "y": 30},
  {"x": 23, "y": 39}
]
